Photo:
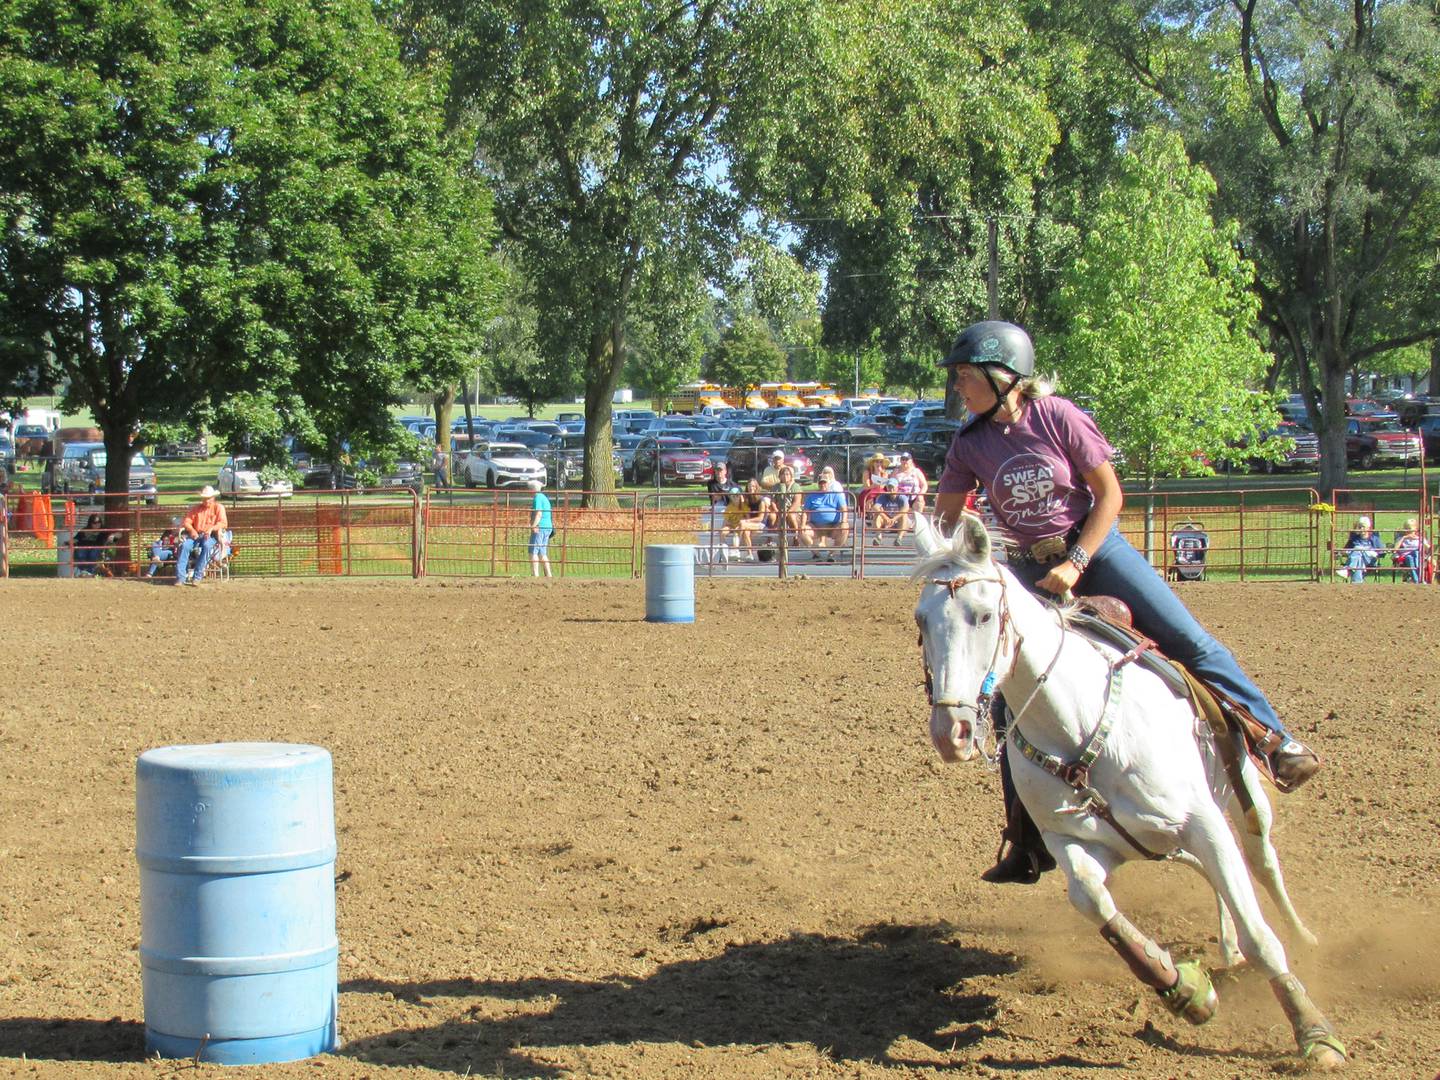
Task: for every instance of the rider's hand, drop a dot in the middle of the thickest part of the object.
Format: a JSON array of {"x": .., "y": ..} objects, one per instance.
[{"x": 1061, "y": 578}]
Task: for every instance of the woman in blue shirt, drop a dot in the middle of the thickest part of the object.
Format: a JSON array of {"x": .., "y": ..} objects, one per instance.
[{"x": 1363, "y": 549}]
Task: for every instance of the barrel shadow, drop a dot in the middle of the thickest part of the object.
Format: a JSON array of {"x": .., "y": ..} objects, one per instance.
[
  {"x": 851, "y": 998},
  {"x": 48, "y": 1039}
]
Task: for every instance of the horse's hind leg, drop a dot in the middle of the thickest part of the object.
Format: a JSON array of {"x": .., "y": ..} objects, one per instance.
[
  {"x": 1185, "y": 988},
  {"x": 1260, "y": 854},
  {"x": 1210, "y": 840}
]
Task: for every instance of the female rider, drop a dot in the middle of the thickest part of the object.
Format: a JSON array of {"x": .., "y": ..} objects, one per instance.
[{"x": 1047, "y": 471}]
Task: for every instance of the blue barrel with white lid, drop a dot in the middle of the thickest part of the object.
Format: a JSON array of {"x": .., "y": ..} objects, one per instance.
[
  {"x": 670, "y": 583},
  {"x": 238, "y": 953}
]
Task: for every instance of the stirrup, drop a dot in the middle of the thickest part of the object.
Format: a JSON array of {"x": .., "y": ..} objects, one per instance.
[{"x": 1019, "y": 866}]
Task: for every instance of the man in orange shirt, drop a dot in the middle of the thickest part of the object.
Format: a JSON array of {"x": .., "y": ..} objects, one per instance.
[{"x": 202, "y": 526}]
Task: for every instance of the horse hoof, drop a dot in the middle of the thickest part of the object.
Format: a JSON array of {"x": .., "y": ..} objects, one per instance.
[
  {"x": 1193, "y": 995},
  {"x": 1324, "y": 1053}
]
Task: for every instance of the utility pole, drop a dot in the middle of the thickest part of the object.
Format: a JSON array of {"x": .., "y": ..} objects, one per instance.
[{"x": 993, "y": 277}]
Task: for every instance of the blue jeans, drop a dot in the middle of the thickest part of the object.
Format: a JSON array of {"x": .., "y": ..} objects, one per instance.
[
  {"x": 1361, "y": 559},
  {"x": 1118, "y": 570},
  {"x": 187, "y": 546},
  {"x": 1410, "y": 560}
]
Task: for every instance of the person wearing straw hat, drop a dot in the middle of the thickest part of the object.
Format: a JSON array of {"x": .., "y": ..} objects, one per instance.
[{"x": 203, "y": 525}]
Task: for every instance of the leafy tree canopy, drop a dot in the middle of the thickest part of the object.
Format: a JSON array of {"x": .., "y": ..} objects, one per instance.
[
  {"x": 1161, "y": 344},
  {"x": 747, "y": 355}
]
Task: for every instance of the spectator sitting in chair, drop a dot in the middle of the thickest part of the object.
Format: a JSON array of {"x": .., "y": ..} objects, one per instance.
[
  {"x": 1363, "y": 548},
  {"x": 827, "y": 520},
  {"x": 163, "y": 550},
  {"x": 1410, "y": 551},
  {"x": 201, "y": 526},
  {"x": 90, "y": 546},
  {"x": 910, "y": 479},
  {"x": 892, "y": 512}
]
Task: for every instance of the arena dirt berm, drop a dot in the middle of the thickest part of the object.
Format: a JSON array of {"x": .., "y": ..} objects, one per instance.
[{"x": 579, "y": 844}]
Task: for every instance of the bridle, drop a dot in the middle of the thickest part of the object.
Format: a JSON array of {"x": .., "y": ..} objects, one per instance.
[
  {"x": 981, "y": 706},
  {"x": 1075, "y": 773}
]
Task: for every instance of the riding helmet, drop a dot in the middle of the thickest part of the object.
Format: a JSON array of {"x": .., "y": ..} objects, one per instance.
[{"x": 993, "y": 343}]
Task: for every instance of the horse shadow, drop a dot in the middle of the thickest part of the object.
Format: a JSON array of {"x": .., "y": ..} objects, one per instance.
[{"x": 851, "y": 998}]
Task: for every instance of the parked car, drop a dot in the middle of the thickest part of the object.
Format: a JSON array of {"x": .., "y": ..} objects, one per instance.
[
  {"x": 243, "y": 475},
  {"x": 625, "y": 444},
  {"x": 1429, "y": 431},
  {"x": 677, "y": 460},
  {"x": 82, "y": 468},
  {"x": 196, "y": 448},
  {"x": 846, "y": 450},
  {"x": 919, "y": 429},
  {"x": 499, "y": 465},
  {"x": 566, "y": 459},
  {"x": 7, "y": 450},
  {"x": 888, "y": 415},
  {"x": 526, "y": 437},
  {"x": 1378, "y": 439},
  {"x": 1302, "y": 450},
  {"x": 794, "y": 432},
  {"x": 750, "y": 454},
  {"x": 358, "y": 476},
  {"x": 930, "y": 445}
]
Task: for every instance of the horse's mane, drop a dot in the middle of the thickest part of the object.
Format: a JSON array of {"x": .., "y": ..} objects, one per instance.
[{"x": 952, "y": 552}]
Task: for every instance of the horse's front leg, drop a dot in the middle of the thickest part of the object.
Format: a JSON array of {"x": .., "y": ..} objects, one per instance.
[{"x": 1184, "y": 988}]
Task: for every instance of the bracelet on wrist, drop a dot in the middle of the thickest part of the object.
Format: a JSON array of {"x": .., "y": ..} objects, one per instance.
[{"x": 1079, "y": 557}]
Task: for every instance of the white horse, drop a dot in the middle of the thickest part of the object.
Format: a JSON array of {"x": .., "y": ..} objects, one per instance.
[{"x": 1110, "y": 764}]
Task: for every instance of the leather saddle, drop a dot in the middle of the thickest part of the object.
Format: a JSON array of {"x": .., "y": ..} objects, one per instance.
[{"x": 1107, "y": 621}]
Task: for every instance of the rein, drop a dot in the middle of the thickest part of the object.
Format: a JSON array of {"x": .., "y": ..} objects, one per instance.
[{"x": 1075, "y": 773}]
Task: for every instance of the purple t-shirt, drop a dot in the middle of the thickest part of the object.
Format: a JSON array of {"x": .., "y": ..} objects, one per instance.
[{"x": 1033, "y": 475}]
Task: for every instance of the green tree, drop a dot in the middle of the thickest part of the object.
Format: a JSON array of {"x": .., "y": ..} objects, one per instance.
[
  {"x": 1161, "y": 341},
  {"x": 240, "y": 211},
  {"x": 113, "y": 273},
  {"x": 747, "y": 355},
  {"x": 1321, "y": 123},
  {"x": 517, "y": 366}
]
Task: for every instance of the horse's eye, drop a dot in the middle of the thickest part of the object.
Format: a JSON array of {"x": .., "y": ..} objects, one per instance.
[{"x": 986, "y": 617}]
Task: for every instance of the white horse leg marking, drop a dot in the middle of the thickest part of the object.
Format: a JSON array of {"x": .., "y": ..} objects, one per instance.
[{"x": 1262, "y": 858}]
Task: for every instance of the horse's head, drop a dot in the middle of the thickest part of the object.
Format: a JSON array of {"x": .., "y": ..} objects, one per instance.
[{"x": 962, "y": 616}]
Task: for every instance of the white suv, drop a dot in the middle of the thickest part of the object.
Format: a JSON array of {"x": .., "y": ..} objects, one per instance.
[{"x": 498, "y": 465}]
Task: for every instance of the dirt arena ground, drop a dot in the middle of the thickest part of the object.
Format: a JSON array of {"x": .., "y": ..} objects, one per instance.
[{"x": 581, "y": 845}]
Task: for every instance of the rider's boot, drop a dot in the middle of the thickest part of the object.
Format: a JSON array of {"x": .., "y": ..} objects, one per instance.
[
  {"x": 1292, "y": 763},
  {"x": 1027, "y": 857}
]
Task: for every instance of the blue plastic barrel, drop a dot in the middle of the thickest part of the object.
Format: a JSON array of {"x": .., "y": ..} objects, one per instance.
[
  {"x": 236, "y": 845},
  {"x": 670, "y": 583}
]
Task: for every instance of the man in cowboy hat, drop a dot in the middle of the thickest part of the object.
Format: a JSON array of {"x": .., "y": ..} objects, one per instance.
[{"x": 203, "y": 525}]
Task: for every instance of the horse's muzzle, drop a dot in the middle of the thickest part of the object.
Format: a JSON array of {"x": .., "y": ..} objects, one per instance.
[{"x": 952, "y": 733}]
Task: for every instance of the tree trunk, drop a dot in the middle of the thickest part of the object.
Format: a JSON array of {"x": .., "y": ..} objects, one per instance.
[
  {"x": 117, "y": 471},
  {"x": 1432, "y": 385},
  {"x": 1332, "y": 427},
  {"x": 602, "y": 375},
  {"x": 444, "y": 406}
]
